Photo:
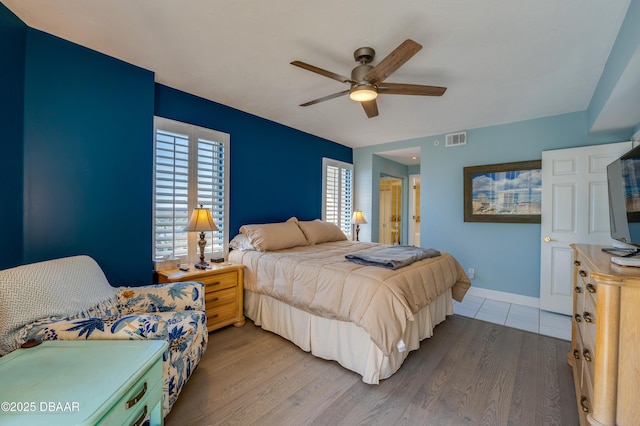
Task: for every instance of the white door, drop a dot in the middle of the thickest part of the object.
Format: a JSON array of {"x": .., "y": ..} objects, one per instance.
[{"x": 575, "y": 209}]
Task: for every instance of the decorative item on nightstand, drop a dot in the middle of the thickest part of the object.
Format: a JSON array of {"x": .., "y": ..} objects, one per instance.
[
  {"x": 358, "y": 218},
  {"x": 201, "y": 221}
]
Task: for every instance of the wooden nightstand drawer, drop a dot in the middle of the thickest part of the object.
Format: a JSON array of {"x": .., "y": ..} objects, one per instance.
[
  {"x": 221, "y": 297},
  {"x": 220, "y": 281},
  {"x": 221, "y": 314}
]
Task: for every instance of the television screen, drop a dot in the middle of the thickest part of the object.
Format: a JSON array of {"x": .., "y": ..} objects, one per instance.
[{"x": 623, "y": 180}]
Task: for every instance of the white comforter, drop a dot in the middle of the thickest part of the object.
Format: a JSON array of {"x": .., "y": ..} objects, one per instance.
[{"x": 319, "y": 280}]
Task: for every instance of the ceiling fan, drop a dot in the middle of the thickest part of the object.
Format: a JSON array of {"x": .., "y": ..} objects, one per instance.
[{"x": 368, "y": 81}]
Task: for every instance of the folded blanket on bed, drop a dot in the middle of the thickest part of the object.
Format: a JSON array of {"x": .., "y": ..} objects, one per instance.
[{"x": 392, "y": 257}]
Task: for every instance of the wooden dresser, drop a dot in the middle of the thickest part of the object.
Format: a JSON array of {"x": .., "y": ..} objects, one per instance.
[
  {"x": 605, "y": 344},
  {"x": 223, "y": 287}
]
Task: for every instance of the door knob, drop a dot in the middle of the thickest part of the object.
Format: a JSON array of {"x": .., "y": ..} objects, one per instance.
[{"x": 548, "y": 239}]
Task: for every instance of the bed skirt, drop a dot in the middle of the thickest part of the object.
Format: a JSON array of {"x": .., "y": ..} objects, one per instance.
[{"x": 341, "y": 341}]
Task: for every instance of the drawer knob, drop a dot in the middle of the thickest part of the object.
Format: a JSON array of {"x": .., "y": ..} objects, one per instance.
[
  {"x": 583, "y": 404},
  {"x": 133, "y": 401},
  {"x": 576, "y": 354},
  {"x": 213, "y": 284},
  {"x": 582, "y": 273},
  {"x": 578, "y": 289},
  {"x": 587, "y": 355},
  {"x": 214, "y": 316},
  {"x": 141, "y": 418},
  {"x": 591, "y": 288},
  {"x": 587, "y": 317},
  {"x": 577, "y": 262},
  {"x": 577, "y": 318}
]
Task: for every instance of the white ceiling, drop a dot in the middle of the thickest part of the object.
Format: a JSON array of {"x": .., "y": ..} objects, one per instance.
[{"x": 502, "y": 60}]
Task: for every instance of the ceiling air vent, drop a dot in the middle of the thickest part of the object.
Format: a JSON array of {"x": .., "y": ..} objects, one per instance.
[{"x": 456, "y": 139}]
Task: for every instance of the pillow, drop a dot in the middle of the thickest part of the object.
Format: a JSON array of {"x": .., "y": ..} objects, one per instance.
[
  {"x": 240, "y": 242},
  {"x": 274, "y": 236},
  {"x": 318, "y": 231}
]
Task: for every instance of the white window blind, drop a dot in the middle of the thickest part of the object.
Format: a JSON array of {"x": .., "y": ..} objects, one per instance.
[
  {"x": 191, "y": 169},
  {"x": 337, "y": 195}
]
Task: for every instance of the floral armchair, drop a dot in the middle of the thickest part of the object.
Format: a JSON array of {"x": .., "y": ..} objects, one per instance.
[{"x": 71, "y": 299}]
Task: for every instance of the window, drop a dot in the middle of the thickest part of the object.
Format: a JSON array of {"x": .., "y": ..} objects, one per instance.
[
  {"x": 337, "y": 196},
  {"x": 191, "y": 168}
]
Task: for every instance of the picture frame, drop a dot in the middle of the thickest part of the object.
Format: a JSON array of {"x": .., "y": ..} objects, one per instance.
[{"x": 503, "y": 193}]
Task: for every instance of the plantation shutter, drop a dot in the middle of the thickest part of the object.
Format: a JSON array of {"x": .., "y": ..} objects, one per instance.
[
  {"x": 191, "y": 169},
  {"x": 337, "y": 193},
  {"x": 171, "y": 193},
  {"x": 212, "y": 192}
]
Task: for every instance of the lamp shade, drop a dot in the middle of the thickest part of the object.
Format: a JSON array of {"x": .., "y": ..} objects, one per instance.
[
  {"x": 201, "y": 220},
  {"x": 358, "y": 217}
]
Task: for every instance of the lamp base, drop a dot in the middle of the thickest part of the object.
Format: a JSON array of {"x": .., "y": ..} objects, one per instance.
[{"x": 201, "y": 265}]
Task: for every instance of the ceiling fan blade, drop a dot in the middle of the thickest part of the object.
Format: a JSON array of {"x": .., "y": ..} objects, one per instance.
[
  {"x": 325, "y": 98},
  {"x": 410, "y": 89},
  {"x": 371, "y": 108},
  {"x": 312, "y": 68},
  {"x": 393, "y": 61}
]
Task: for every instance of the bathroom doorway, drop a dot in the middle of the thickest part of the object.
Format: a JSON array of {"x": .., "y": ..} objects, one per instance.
[{"x": 390, "y": 227}]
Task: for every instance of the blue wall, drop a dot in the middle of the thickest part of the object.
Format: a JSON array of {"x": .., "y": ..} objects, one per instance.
[
  {"x": 80, "y": 158},
  {"x": 276, "y": 171},
  {"x": 88, "y": 158},
  {"x": 12, "y": 50},
  {"x": 506, "y": 256}
]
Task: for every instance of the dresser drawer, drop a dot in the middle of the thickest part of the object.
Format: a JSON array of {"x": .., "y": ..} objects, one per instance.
[
  {"x": 585, "y": 281},
  {"x": 585, "y": 399},
  {"x": 576, "y": 352},
  {"x": 139, "y": 401},
  {"x": 220, "y": 281}
]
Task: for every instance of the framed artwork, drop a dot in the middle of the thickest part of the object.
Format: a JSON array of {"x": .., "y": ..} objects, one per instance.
[{"x": 507, "y": 192}]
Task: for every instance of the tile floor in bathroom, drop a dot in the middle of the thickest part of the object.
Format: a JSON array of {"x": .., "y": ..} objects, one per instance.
[{"x": 516, "y": 316}]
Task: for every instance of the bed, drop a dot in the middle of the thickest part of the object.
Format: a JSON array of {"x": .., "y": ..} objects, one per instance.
[{"x": 299, "y": 284}]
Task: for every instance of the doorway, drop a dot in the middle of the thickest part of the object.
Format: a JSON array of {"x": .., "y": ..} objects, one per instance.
[
  {"x": 414, "y": 210},
  {"x": 390, "y": 226}
]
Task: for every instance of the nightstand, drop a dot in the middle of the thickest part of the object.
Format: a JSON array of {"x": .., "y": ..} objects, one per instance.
[{"x": 223, "y": 291}]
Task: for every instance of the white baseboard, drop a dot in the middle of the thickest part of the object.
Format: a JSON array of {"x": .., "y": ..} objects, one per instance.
[{"x": 502, "y": 296}]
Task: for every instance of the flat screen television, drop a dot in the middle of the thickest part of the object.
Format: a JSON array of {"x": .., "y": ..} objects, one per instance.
[{"x": 623, "y": 181}]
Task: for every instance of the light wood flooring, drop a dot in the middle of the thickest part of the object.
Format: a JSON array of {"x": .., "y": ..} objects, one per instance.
[{"x": 469, "y": 373}]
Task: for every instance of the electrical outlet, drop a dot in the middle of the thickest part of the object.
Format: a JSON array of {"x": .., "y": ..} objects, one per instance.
[{"x": 471, "y": 273}]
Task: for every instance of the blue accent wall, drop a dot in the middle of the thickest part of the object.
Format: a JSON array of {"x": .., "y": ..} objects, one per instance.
[
  {"x": 88, "y": 141},
  {"x": 276, "y": 171},
  {"x": 12, "y": 50},
  {"x": 79, "y": 153}
]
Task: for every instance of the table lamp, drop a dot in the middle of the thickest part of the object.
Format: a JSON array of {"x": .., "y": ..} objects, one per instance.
[
  {"x": 358, "y": 218},
  {"x": 201, "y": 221}
]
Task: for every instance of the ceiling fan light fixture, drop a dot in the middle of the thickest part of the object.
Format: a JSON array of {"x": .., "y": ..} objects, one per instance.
[{"x": 363, "y": 93}]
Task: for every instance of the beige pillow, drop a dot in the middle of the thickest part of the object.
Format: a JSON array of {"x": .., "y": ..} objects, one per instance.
[
  {"x": 274, "y": 236},
  {"x": 318, "y": 231}
]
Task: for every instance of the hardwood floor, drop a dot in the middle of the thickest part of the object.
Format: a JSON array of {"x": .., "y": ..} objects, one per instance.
[{"x": 469, "y": 373}]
